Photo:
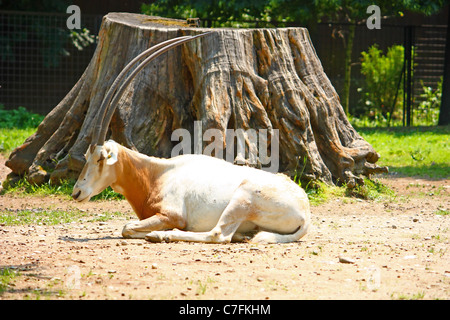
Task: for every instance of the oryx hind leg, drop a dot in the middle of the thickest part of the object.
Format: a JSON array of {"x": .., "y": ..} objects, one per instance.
[{"x": 236, "y": 212}]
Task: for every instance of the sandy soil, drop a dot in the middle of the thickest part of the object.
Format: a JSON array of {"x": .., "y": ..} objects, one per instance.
[{"x": 355, "y": 250}]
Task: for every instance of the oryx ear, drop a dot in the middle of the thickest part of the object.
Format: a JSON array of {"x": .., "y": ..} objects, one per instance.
[
  {"x": 112, "y": 152},
  {"x": 111, "y": 158}
]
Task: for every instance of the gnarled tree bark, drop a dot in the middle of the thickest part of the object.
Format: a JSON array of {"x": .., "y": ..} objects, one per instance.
[{"x": 231, "y": 79}]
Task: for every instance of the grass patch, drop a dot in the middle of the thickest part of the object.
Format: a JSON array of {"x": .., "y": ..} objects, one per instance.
[
  {"x": 16, "y": 126},
  {"x": 418, "y": 151},
  {"x": 320, "y": 192},
  {"x": 50, "y": 217},
  {"x": 7, "y": 276},
  {"x": 442, "y": 212},
  {"x": 12, "y": 138},
  {"x": 64, "y": 189},
  {"x": 371, "y": 190},
  {"x": 418, "y": 296}
]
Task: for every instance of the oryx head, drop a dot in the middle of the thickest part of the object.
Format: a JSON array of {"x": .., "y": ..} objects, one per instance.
[{"x": 98, "y": 172}]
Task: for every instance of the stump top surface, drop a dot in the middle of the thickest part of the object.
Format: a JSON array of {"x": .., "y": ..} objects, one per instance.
[
  {"x": 145, "y": 21},
  {"x": 152, "y": 22}
]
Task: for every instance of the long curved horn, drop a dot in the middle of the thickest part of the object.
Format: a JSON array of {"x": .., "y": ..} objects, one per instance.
[
  {"x": 105, "y": 114},
  {"x": 107, "y": 99}
]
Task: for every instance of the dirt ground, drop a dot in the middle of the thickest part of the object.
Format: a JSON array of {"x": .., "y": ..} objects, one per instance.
[{"x": 356, "y": 250}]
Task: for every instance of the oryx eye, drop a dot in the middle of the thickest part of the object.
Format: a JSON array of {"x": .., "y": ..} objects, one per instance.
[{"x": 102, "y": 157}]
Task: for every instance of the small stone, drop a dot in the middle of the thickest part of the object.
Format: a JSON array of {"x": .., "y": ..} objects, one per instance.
[
  {"x": 346, "y": 260},
  {"x": 123, "y": 242},
  {"x": 154, "y": 266}
]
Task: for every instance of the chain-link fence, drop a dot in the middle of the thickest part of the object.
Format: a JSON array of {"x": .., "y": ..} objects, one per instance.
[{"x": 41, "y": 59}]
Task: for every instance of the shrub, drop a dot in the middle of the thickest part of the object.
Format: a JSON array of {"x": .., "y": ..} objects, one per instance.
[
  {"x": 382, "y": 75},
  {"x": 19, "y": 118},
  {"x": 427, "y": 112}
]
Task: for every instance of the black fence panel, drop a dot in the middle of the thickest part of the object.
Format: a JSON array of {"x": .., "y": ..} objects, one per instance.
[{"x": 39, "y": 62}]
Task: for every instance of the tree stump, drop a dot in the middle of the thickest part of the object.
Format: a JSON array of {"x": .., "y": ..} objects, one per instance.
[{"x": 231, "y": 79}]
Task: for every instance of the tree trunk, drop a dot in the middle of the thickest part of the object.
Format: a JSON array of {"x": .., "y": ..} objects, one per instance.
[{"x": 231, "y": 79}]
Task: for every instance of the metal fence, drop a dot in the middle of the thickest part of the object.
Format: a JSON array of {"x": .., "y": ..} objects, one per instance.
[
  {"x": 39, "y": 63},
  {"x": 424, "y": 48}
]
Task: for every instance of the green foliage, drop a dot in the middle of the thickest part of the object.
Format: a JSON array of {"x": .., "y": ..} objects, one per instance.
[
  {"x": 35, "y": 5},
  {"x": 82, "y": 39},
  {"x": 19, "y": 118},
  {"x": 382, "y": 78},
  {"x": 427, "y": 112},
  {"x": 49, "y": 31},
  {"x": 282, "y": 10},
  {"x": 221, "y": 11}
]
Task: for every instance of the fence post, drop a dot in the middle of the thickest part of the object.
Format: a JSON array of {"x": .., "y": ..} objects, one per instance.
[
  {"x": 408, "y": 57},
  {"x": 444, "y": 114}
]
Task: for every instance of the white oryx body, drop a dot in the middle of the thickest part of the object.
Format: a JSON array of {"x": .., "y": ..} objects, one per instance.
[{"x": 203, "y": 198}]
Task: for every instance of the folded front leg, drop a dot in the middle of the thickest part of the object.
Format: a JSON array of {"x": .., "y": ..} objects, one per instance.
[
  {"x": 138, "y": 229},
  {"x": 178, "y": 235}
]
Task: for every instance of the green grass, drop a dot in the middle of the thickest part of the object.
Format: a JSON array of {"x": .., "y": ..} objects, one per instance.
[
  {"x": 7, "y": 276},
  {"x": 15, "y": 126},
  {"x": 371, "y": 190},
  {"x": 418, "y": 151},
  {"x": 442, "y": 212},
  {"x": 10, "y": 138},
  {"x": 49, "y": 217},
  {"x": 63, "y": 189},
  {"x": 320, "y": 192}
]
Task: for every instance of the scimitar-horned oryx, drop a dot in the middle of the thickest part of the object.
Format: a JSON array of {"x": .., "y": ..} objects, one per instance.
[{"x": 190, "y": 197}]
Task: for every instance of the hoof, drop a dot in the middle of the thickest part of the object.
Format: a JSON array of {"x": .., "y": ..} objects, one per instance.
[{"x": 155, "y": 237}]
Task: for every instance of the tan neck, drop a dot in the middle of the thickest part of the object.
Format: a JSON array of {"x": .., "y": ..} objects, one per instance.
[{"x": 138, "y": 179}]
